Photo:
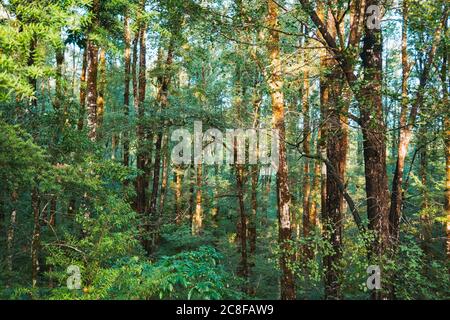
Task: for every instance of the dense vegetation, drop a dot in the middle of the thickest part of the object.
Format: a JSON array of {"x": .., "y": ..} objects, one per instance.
[{"x": 92, "y": 91}]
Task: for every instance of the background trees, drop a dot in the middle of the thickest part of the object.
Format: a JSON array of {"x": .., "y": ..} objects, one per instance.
[{"x": 90, "y": 92}]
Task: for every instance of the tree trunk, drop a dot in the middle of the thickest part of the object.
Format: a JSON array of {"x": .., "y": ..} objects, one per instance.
[
  {"x": 53, "y": 203},
  {"x": 141, "y": 156},
  {"x": 257, "y": 99},
  {"x": 83, "y": 89},
  {"x": 92, "y": 89},
  {"x": 59, "y": 80},
  {"x": 374, "y": 135},
  {"x": 35, "y": 243},
  {"x": 126, "y": 93},
  {"x": 252, "y": 219},
  {"x": 407, "y": 122},
  {"x": 101, "y": 91},
  {"x": 275, "y": 83},
  {"x": 425, "y": 222},
  {"x": 307, "y": 252},
  {"x": 243, "y": 270},
  {"x": 11, "y": 234},
  {"x": 197, "y": 218},
  {"x": 315, "y": 191},
  {"x": 192, "y": 182},
  {"x": 165, "y": 165},
  {"x": 162, "y": 100},
  {"x": 178, "y": 191},
  {"x": 446, "y": 142},
  {"x": 134, "y": 71},
  {"x": 92, "y": 71},
  {"x": 337, "y": 146}
]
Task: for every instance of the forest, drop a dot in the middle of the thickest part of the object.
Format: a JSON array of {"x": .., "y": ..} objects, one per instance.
[{"x": 224, "y": 150}]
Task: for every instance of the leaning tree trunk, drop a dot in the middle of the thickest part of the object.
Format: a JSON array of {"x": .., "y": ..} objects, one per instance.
[{"x": 407, "y": 122}]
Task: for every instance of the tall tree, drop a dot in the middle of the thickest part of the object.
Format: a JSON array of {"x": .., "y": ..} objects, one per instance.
[
  {"x": 92, "y": 70},
  {"x": 407, "y": 122},
  {"x": 275, "y": 83},
  {"x": 126, "y": 92}
]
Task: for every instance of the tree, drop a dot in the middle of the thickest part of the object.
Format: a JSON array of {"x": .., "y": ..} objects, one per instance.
[{"x": 275, "y": 83}]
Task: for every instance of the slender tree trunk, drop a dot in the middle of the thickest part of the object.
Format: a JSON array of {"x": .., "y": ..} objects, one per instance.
[
  {"x": 423, "y": 175},
  {"x": 197, "y": 218},
  {"x": 243, "y": 270},
  {"x": 307, "y": 252},
  {"x": 333, "y": 107},
  {"x": 53, "y": 204},
  {"x": 257, "y": 99},
  {"x": 252, "y": 220},
  {"x": 407, "y": 122},
  {"x": 126, "y": 93},
  {"x": 83, "y": 89},
  {"x": 92, "y": 71},
  {"x": 162, "y": 99},
  {"x": 101, "y": 91},
  {"x": 35, "y": 243},
  {"x": 337, "y": 146},
  {"x": 134, "y": 71},
  {"x": 445, "y": 101},
  {"x": 275, "y": 83},
  {"x": 92, "y": 89},
  {"x": 315, "y": 191},
  {"x": 165, "y": 165},
  {"x": 192, "y": 182},
  {"x": 11, "y": 234},
  {"x": 59, "y": 95},
  {"x": 178, "y": 190},
  {"x": 2, "y": 212},
  {"x": 139, "y": 91}
]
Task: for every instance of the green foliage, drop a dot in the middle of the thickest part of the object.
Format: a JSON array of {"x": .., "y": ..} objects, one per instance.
[{"x": 188, "y": 275}]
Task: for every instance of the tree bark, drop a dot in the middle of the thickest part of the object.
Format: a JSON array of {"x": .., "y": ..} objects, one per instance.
[
  {"x": 178, "y": 190},
  {"x": 35, "y": 242},
  {"x": 92, "y": 70},
  {"x": 83, "y": 89},
  {"x": 162, "y": 100},
  {"x": 406, "y": 122},
  {"x": 275, "y": 83},
  {"x": 243, "y": 267},
  {"x": 165, "y": 165},
  {"x": 126, "y": 93},
  {"x": 445, "y": 101},
  {"x": 101, "y": 91},
  {"x": 197, "y": 217},
  {"x": 11, "y": 234},
  {"x": 139, "y": 87},
  {"x": 307, "y": 252},
  {"x": 92, "y": 89},
  {"x": 374, "y": 135}
]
